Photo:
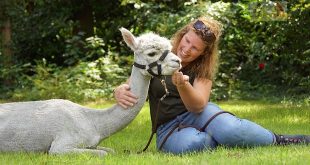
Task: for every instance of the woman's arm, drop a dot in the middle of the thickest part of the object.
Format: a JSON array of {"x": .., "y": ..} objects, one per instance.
[
  {"x": 123, "y": 96},
  {"x": 195, "y": 97}
]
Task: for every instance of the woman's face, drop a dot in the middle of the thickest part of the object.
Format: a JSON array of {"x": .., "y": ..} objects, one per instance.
[{"x": 190, "y": 47}]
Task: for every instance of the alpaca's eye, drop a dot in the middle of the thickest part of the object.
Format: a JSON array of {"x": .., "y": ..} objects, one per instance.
[{"x": 152, "y": 54}]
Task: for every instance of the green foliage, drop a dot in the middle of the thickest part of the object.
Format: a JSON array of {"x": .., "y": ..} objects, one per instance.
[
  {"x": 282, "y": 46},
  {"x": 252, "y": 40},
  {"x": 36, "y": 30},
  {"x": 78, "y": 49},
  {"x": 74, "y": 49},
  {"x": 262, "y": 52},
  {"x": 85, "y": 81},
  {"x": 95, "y": 47},
  {"x": 15, "y": 73}
]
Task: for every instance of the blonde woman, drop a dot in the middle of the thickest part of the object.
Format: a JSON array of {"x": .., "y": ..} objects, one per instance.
[{"x": 185, "y": 120}]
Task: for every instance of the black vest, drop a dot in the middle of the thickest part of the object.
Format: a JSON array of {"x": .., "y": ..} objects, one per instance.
[{"x": 171, "y": 106}]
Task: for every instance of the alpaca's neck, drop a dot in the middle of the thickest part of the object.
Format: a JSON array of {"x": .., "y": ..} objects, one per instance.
[{"x": 115, "y": 118}]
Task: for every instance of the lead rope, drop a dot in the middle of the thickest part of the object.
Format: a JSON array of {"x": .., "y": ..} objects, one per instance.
[{"x": 156, "y": 115}]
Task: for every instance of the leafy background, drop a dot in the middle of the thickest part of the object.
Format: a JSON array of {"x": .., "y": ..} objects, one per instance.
[{"x": 73, "y": 49}]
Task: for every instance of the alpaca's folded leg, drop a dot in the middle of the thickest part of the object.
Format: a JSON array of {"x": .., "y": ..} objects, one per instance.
[{"x": 63, "y": 146}]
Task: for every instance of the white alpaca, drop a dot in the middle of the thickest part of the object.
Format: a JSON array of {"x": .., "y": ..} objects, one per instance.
[{"x": 61, "y": 126}]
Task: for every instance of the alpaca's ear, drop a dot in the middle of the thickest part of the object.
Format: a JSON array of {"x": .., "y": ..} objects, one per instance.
[{"x": 129, "y": 38}]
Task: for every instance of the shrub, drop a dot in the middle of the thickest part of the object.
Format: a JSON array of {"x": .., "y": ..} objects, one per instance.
[{"x": 85, "y": 81}]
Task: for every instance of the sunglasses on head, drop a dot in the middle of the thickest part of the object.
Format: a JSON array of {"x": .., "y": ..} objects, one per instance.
[{"x": 205, "y": 31}]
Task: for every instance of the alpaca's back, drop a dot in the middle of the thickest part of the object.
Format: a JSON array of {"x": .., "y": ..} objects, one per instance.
[{"x": 34, "y": 125}]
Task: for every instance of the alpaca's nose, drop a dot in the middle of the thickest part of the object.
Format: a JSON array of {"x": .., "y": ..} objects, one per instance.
[{"x": 177, "y": 61}]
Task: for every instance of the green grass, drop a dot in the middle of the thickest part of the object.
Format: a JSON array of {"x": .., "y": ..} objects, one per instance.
[{"x": 280, "y": 118}]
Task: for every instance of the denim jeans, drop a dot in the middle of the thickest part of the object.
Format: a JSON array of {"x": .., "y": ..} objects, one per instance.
[{"x": 225, "y": 129}]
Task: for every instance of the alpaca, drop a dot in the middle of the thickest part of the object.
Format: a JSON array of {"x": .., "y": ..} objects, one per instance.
[{"x": 60, "y": 126}]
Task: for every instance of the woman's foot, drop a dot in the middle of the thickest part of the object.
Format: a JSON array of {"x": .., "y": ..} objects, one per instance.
[{"x": 292, "y": 139}]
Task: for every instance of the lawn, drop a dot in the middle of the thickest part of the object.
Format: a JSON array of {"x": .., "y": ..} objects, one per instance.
[{"x": 278, "y": 117}]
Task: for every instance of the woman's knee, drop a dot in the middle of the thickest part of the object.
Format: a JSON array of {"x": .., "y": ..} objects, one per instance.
[
  {"x": 200, "y": 119},
  {"x": 212, "y": 108},
  {"x": 227, "y": 124},
  {"x": 188, "y": 140}
]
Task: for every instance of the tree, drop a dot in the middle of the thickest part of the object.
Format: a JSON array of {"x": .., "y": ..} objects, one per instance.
[{"x": 6, "y": 40}]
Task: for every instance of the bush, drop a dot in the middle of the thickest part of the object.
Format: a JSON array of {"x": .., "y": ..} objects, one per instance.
[
  {"x": 259, "y": 53},
  {"x": 85, "y": 81}
]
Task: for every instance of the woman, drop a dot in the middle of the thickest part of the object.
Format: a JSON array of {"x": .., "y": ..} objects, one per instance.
[{"x": 185, "y": 121}]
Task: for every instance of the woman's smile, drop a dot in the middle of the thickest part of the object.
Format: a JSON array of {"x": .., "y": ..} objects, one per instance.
[{"x": 182, "y": 54}]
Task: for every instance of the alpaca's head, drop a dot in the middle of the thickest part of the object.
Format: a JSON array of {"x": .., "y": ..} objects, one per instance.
[{"x": 148, "y": 48}]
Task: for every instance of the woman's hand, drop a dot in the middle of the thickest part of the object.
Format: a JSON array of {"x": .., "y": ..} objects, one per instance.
[
  {"x": 124, "y": 97},
  {"x": 195, "y": 97},
  {"x": 179, "y": 80}
]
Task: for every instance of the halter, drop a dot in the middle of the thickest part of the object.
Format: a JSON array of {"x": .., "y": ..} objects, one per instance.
[{"x": 153, "y": 64}]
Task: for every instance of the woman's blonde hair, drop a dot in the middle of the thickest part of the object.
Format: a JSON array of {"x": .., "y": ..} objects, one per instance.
[{"x": 205, "y": 66}]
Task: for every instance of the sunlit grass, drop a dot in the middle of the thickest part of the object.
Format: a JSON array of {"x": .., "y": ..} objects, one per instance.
[{"x": 274, "y": 116}]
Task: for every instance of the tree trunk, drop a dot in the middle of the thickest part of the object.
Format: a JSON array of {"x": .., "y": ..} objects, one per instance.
[
  {"x": 85, "y": 18},
  {"x": 7, "y": 51}
]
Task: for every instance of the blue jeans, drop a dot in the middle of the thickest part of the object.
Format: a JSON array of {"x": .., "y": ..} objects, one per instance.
[{"x": 225, "y": 129}]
